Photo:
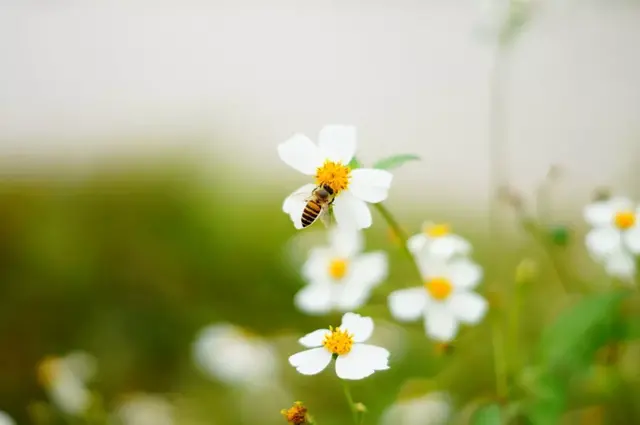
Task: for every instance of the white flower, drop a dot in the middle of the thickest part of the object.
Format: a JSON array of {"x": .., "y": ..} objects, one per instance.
[
  {"x": 145, "y": 409},
  {"x": 354, "y": 360},
  {"x": 228, "y": 353},
  {"x": 445, "y": 300},
  {"x": 431, "y": 409},
  {"x": 6, "y": 419},
  {"x": 340, "y": 276},
  {"x": 615, "y": 237},
  {"x": 328, "y": 163},
  {"x": 437, "y": 241},
  {"x": 65, "y": 378}
]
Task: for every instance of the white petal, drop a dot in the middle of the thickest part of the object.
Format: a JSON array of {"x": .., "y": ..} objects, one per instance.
[
  {"x": 407, "y": 304},
  {"x": 315, "y": 298},
  {"x": 338, "y": 142},
  {"x": 603, "y": 241},
  {"x": 370, "y": 268},
  {"x": 301, "y": 154},
  {"x": 632, "y": 239},
  {"x": 447, "y": 246},
  {"x": 345, "y": 241},
  {"x": 602, "y": 213},
  {"x": 6, "y": 419},
  {"x": 294, "y": 204},
  {"x": 317, "y": 265},
  {"x": 468, "y": 307},
  {"x": 370, "y": 185},
  {"x": 314, "y": 339},
  {"x": 312, "y": 361},
  {"x": 362, "y": 361},
  {"x": 440, "y": 323},
  {"x": 351, "y": 296},
  {"x": 352, "y": 212},
  {"x": 360, "y": 327},
  {"x": 464, "y": 273},
  {"x": 621, "y": 265},
  {"x": 417, "y": 243}
]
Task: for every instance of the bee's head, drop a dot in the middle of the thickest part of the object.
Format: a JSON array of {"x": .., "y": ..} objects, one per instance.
[{"x": 328, "y": 189}]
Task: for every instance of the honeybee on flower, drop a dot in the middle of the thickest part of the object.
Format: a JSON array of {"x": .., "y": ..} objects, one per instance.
[
  {"x": 345, "y": 344},
  {"x": 339, "y": 275},
  {"x": 348, "y": 190}
]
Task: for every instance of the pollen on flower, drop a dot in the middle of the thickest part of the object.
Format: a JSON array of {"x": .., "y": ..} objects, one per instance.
[
  {"x": 437, "y": 230},
  {"x": 338, "y": 341},
  {"x": 333, "y": 174},
  {"x": 338, "y": 268},
  {"x": 440, "y": 288},
  {"x": 47, "y": 370},
  {"x": 296, "y": 414},
  {"x": 625, "y": 219}
]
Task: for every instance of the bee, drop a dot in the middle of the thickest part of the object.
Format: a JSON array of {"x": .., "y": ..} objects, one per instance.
[{"x": 317, "y": 205}]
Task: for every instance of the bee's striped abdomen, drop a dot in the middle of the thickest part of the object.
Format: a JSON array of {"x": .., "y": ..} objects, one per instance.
[{"x": 310, "y": 213}]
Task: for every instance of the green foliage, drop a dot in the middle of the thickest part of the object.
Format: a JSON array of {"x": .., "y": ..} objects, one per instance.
[
  {"x": 395, "y": 161},
  {"x": 489, "y": 414},
  {"x": 354, "y": 164}
]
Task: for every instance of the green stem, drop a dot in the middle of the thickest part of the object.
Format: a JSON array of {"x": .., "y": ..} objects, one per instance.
[
  {"x": 393, "y": 224},
  {"x": 352, "y": 406},
  {"x": 500, "y": 361},
  {"x": 514, "y": 325}
]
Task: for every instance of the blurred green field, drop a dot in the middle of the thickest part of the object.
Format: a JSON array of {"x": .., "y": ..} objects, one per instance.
[{"x": 130, "y": 264}]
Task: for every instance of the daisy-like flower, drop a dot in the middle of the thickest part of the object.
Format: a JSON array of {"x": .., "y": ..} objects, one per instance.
[
  {"x": 228, "y": 353},
  {"x": 6, "y": 419},
  {"x": 340, "y": 276},
  {"x": 615, "y": 237},
  {"x": 354, "y": 360},
  {"x": 145, "y": 409},
  {"x": 430, "y": 409},
  {"x": 445, "y": 300},
  {"x": 65, "y": 378},
  {"x": 437, "y": 241},
  {"x": 328, "y": 164}
]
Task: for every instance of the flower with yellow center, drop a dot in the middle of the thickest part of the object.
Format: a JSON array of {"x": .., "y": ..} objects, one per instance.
[
  {"x": 614, "y": 239},
  {"x": 296, "y": 414},
  {"x": 328, "y": 164},
  {"x": 437, "y": 241},
  {"x": 340, "y": 276},
  {"x": 64, "y": 379},
  {"x": 354, "y": 359},
  {"x": 445, "y": 300}
]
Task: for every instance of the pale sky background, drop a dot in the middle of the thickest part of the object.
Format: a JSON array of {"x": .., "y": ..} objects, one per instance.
[{"x": 82, "y": 78}]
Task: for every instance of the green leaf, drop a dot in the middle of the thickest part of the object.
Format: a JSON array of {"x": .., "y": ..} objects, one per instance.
[
  {"x": 489, "y": 414},
  {"x": 354, "y": 163},
  {"x": 395, "y": 161}
]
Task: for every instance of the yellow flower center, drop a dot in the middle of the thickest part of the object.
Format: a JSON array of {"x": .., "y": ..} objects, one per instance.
[
  {"x": 296, "y": 415},
  {"x": 439, "y": 288},
  {"x": 333, "y": 174},
  {"x": 47, "y": 370},
  {"x": 625, "y": 219},
  {"x": 437, "y": 230},
  {"x": 338, "y": 268},
  {"x": 338, "y": 341}
]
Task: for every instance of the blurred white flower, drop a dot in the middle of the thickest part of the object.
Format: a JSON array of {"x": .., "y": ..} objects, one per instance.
[
  {"x": 6, "y": 419},
  {"x": 65, "y": 378},
  {"x": 228, "y": 353},
  {"x": 431, "y": 409},
  {"x": 340, "y": 276},
  {"x": 445, "y": 299},
  {"x": 437, "y": 241},
  {"x": 615, "y": 237},
  {"x": 328, "y": 163},
  {"x": 145, "y": 409},
  {"x": 354, "y": 360}
]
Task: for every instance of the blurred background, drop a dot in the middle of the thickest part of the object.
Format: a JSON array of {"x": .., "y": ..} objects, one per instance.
[{"x": 141, "y": 191}]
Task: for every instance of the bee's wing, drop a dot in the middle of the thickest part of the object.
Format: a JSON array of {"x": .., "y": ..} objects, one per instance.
[{"x": 301, "y": 195}]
